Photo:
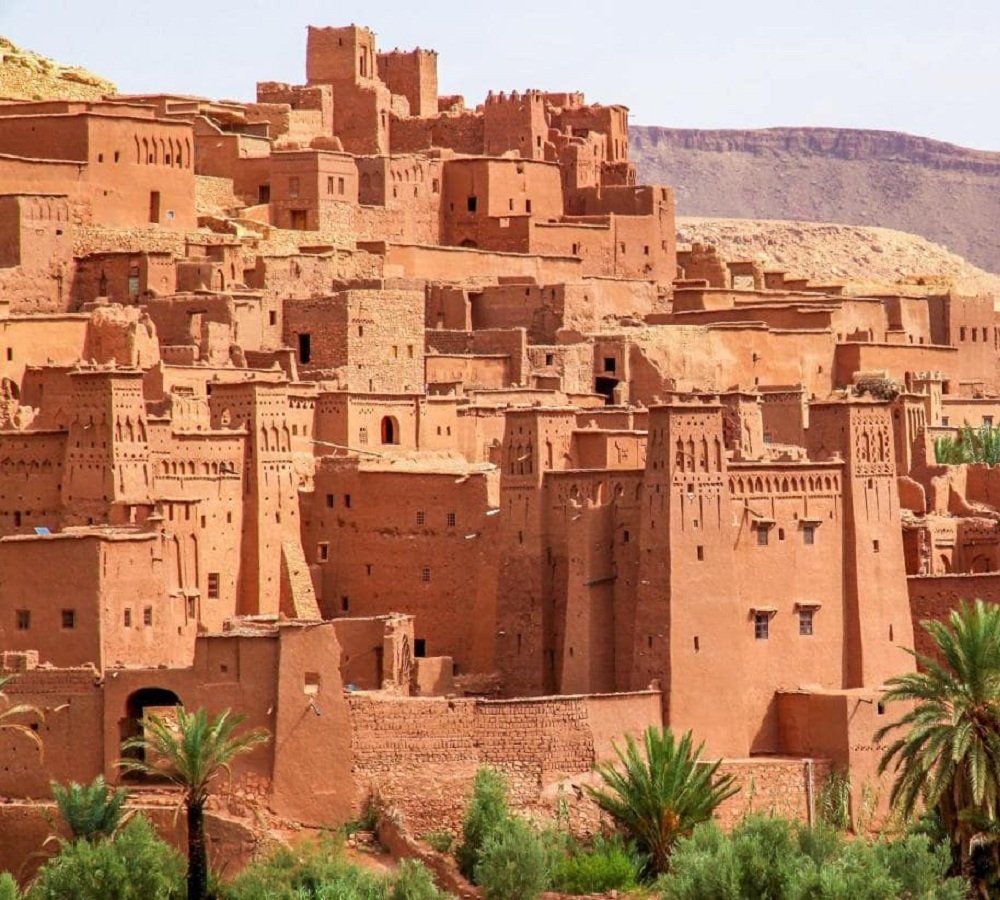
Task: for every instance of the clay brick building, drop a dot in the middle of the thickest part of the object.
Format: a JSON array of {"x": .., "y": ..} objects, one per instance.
[{"x": 404, "y": 427}]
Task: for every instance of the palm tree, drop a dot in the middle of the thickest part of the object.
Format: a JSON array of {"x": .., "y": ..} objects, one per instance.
[
  {"x": 191, "y": 753},
  {"x": 947, "y": 754},
  {"x": 90, "y": 811},
  {"x": 9, "y": 712},
  {"x": 660, "y": 793}
]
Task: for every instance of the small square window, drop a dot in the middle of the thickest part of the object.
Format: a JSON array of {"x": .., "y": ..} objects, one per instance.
[
  {"x": 69, "y": 618},
  {"x": 806, "y": 622},
  {"x": 147, "y": 616},
  {"x": 213, "y": 585},
  {"x": 23, "y": 618},
  {"x": 761, "y": 625}
]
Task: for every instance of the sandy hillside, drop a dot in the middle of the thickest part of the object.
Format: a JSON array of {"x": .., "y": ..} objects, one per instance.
[
  {"x": 865, "y": 258},
  {"x": 27, "y": 76}
]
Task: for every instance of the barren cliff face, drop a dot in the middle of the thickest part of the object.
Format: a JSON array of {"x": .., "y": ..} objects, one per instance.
[
  {"x": 27, "y": 76},
  {"x": 946, "y": 193}
]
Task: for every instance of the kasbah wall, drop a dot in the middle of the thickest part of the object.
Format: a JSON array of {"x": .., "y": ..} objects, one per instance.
[{"x": 405, "y": 428}]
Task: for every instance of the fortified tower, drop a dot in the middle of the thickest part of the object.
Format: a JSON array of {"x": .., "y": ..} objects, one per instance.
[
  {"x": 271, "y": 538},
  {"x": 515, "y": 122},
  {"x": 689, "y": 627},
  {"x": 877, "y": 622},
  {"x": 107, "y": 455},
  {"x": 536, "y": 441}
]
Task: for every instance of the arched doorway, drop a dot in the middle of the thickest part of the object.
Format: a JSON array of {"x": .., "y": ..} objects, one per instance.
[
  {"x": 390, "y": 430},
  {"x": 141, "y": 703}
]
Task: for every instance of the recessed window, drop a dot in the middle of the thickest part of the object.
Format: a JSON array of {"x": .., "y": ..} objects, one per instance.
[
  {"x": 806, "y": 622},
  {"x": 362, "y": 435},
  {"x": 329, "y": 184},
  {"x": 451, "y": 519},
  {"x": 626, "y": 536},
  {"x": 127, "y": 617},
  {"x": 761, "y": 625},
  {"x": 471, "y": 204},
  {"x": 23, "y": 619},
  {"x": 147, "y": 616},
  {"x": 347, "y": 500},
  {"x": 421, "y": 517},
  {"x": 329, "y": 501},
  {"x": 293, "y": 187},
  {"x": 69, "y": 618},
  {"x": 323, "y": 551},
  {"x": 425, "y": 574},
  {"x": 420, "y": 647},
  {"x": 213, "y": 585},
  {"x": 550, "y": 359},
  {"x": 345, "y": 604},
  {"x": 809, "y": 534},
  {"x": 311, "y": 683},
  {"x": 701, "y": 554},
  {"x": 875, "y": 547},
  {"x": 762, "y": 536}
]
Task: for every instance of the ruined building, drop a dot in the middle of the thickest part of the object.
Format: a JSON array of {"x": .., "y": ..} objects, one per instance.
[{"x": 382, "y": 418}]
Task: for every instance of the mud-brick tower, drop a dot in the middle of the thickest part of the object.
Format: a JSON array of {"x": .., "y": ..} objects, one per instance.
[
  {"x": 690, "y": 630},
  {"x": 108, "y": 472},
  {"x": 271, "y": 508},
  {"x": 877, "y": 621}
]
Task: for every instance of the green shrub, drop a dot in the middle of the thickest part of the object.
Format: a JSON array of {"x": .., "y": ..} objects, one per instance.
[
  {"x": 780, "y": 860},
  {"x": 512, "y": 862},
  {"x": 133, "y": 865},
  {"x": 609, "y": 864},
  {"x": 8, "y": 887},
  {"x": 90, "y": 811},
  {"x": 486, "y": 811},
  {"x": 311, "y": 871},
  {"x": 441, "y": 841},
  {"x": 413, "y": 882}
]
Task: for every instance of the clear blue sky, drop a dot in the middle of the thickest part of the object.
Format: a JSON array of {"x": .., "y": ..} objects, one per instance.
[{"x": 929, "y": 68}]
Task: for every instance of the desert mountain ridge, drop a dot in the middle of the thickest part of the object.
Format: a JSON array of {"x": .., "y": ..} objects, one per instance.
[{"x": 946, "y": 193}]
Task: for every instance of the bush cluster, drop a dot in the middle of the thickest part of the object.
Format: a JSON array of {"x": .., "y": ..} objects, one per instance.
[{"x": 770, "y": 857}]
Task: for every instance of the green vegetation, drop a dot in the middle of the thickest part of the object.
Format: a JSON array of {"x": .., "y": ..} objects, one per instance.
[
  {"x": 486, "y": 811},
  {"x": 947, "y": 756},
  {"x": 609, "y": 864},
  {"x": 441, "y": 841},
  {"x": 191, "y": 753},
  {"x": 90, "y": 811},
  {"x": 132, "y": 865},
  {"x": 512, "y": 863},
  {"x": 773, "y": 858},
  {"x": 320, "y": 871},
  {"x": 660, "y": 793},
  {"x": 972, "y": 445}
]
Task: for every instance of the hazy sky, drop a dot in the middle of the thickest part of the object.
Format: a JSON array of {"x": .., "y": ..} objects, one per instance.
[{"x": 929, "y": 68}]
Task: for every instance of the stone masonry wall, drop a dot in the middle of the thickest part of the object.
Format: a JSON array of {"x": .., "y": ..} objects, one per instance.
[{"x": 420, "y": 755}]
